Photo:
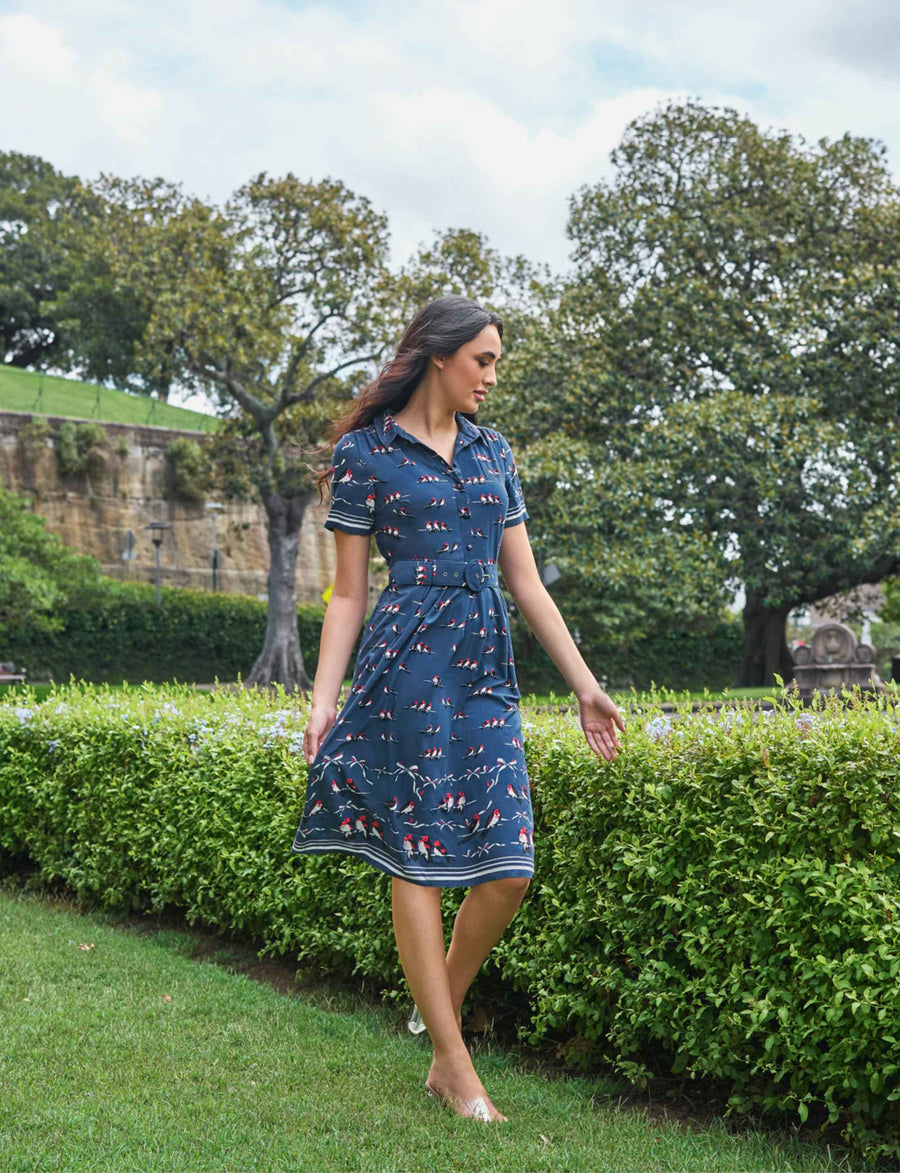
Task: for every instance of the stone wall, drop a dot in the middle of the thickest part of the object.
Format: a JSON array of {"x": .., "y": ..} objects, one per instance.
[{"x": 91, "y": 513}]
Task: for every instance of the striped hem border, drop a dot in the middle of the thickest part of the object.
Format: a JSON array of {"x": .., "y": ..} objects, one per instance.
[{"x": 439, "y": 874}]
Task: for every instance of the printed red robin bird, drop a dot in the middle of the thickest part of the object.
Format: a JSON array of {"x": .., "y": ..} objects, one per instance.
[
  {"x": 474, "y": 824},
  {"x": 493, "y": 820},
  {"x": 423, "y": 848},
  {"x": 408, "y": 846},
  {"x": 346, "y": 828},
  {"x": 316, "y": 807},
  {"x": 361, "y": 825}
]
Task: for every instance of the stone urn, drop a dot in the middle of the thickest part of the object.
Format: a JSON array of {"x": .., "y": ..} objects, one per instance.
[{"x": 832, "y": 659}]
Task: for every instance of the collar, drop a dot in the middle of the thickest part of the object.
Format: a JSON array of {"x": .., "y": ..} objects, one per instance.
[{"x": 389, "y": 431}]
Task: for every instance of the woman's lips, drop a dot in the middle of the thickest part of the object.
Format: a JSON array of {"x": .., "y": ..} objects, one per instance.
[{"x": 479, "y": 395}]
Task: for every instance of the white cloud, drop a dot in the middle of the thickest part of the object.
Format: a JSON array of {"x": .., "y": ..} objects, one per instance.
[
  {"x": 34, "y": 51},
  {"x": 132, "y": 113},
  {"x": 61, "y": 97},
  {"x": 456, "y": 113}
]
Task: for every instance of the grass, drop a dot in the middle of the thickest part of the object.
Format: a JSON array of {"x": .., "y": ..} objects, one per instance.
[
  {"x": 126, "y": 1054},
  {"x": 663, "y": 694},
  {"x": 42, "y": 691},
  {"x": 42, "y": 394}
]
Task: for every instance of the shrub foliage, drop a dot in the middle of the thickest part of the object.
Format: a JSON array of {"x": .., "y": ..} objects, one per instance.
[
  {"x": 122, "y": 635},
  {"x": 722, "y": 901}
]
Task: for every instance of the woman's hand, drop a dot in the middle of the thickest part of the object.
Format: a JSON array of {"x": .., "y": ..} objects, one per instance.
[
  {"x": 599, "y": 718},
  {"x": 321, "y": 718}
]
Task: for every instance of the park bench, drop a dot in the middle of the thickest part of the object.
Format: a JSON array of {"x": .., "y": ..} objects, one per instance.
[{"x": 8, "y": 674}]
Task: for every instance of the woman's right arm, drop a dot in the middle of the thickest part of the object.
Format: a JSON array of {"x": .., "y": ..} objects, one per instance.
[{"x": 343, "y": 618}]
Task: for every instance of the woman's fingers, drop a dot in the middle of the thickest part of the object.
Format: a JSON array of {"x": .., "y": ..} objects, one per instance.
[
  {"x": 603, "y": 741},
  {"x": 309, "y": 746}
]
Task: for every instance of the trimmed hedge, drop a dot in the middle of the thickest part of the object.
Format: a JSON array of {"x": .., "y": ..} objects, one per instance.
[
  {"x": 676, "y": 657},
  {"x": 194, "y": 636},
  {"x": 198, "y": 636},
  {"x": 722, "y": 901}
]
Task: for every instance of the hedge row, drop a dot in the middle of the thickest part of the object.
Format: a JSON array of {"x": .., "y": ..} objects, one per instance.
[
  {"x": 124, "y": 636},
  {"x": 676, "y": 657},
  {"x": 198, "y": 636},
  {"x": 722, "y": 901}
]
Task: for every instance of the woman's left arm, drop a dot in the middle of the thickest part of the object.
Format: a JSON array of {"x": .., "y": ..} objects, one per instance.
[{"x": 599, "y": 714}]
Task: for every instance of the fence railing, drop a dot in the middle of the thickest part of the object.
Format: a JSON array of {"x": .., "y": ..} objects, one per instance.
[{"x": 44, "y": 394}]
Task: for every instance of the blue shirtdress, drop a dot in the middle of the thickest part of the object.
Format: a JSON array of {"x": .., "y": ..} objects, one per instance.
[{"x": 423, "y": 773}]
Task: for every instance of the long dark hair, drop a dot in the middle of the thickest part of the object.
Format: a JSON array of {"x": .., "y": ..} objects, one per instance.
[{"x": 438, "y": 329}]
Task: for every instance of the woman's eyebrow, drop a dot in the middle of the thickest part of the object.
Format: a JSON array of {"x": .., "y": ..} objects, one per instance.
[{"x": 490, "y": 353}]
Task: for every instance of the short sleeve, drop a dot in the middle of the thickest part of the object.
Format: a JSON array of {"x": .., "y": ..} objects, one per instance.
[
  {"x": 352, "y": 490},
  {"x": 516, "y": 511}
]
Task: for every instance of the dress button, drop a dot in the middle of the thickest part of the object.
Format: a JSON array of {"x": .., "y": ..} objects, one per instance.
[{"x": 469, "y": 547}]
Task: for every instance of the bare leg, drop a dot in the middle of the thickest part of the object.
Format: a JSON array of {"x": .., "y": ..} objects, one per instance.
[
  {"x": 480, "y": 923},
  {"x": 420, "y": 944}
]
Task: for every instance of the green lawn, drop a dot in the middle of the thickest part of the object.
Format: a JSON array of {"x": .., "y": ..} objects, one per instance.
[
  {"x": 663, "y": 694},
  {"x": 50, "y": 395},
  {"x": 128, "y": 1055},
  {"x": 42, "y": 691}
]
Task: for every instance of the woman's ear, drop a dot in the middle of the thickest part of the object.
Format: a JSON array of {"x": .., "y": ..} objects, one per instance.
[{"x": 438, "y": 361}]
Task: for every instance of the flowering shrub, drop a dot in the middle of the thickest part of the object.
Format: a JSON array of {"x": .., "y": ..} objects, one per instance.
[{"x": 722, "y": 901}]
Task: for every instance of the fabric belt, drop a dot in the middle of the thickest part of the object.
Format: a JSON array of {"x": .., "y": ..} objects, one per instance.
[{"x": 473, "y": 573}]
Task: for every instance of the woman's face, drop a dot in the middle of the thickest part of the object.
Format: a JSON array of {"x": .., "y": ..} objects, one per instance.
[{"x": 468, "y": 374}]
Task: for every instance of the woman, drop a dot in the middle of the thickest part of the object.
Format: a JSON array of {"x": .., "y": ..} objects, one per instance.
[{"x": 423, "y": 773}]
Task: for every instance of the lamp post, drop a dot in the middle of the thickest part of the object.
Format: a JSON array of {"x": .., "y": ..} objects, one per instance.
[
  {"x": 214, "y": 507},
  {"x": 156, "y": 528}
]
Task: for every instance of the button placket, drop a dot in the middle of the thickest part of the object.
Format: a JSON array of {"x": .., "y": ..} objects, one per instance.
[
  {"x": 460, "y": 487},
  {"x": 452, "y": 470}
]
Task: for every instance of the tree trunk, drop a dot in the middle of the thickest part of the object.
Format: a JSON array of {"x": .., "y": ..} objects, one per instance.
[
  {"x": 281, "y": 661},
  {"x": 765, "y": 647}
]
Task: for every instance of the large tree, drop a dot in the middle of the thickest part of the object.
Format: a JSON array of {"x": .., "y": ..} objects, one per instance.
[
  {"x": 104, "y": 318},
  {"x": 35, "y": 199},
  {"x": 272, "y": 304},
  {"x": 279, "y": 304},
  {"x": 740, "y": 293}
]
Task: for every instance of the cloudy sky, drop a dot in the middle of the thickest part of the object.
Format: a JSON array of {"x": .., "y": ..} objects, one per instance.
[{"x": 453, "y": 114}]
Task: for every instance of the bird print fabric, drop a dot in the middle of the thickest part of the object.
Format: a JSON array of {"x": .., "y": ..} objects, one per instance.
[{"x": 423, "y": 773}]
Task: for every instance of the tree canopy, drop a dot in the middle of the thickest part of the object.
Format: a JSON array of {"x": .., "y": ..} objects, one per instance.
[
  {"x": 38, "y": 572},
  {"x": 728, "y": 346},
  {"x": 35, "y": 266},
  {"x": 278, "y": 304},
  {"x": 708, "y": 399}
]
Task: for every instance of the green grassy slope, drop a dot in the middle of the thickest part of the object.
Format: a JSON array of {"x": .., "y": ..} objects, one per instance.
[{"x": 49, "y": 395}]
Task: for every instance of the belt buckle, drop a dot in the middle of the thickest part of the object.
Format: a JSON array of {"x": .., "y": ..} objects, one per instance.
[{"x": 476, "y": 575}]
